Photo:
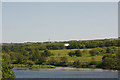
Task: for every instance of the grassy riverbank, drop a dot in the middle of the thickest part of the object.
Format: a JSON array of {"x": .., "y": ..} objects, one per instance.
[
  {"x": 34, "y": 66},
  {"x": 41, "y": 66}
]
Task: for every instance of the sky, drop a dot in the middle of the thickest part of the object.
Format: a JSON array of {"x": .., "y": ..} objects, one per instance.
[{"x": 58, "y": 21}]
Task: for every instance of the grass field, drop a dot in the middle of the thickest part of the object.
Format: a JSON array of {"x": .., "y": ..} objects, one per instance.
[
  {"x": 57, "y": 54},
  {"x": 86, "y": 57}
]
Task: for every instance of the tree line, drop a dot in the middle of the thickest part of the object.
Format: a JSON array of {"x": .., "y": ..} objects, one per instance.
[{"x": 19, "y": 47}]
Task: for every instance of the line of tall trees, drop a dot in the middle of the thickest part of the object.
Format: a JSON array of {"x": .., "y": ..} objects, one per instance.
[
  {"x": 19, "y": 47},
  {"x": 93, "y": 43}
]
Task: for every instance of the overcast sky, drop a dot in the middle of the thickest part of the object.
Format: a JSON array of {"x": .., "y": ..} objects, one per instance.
[{"x": 24, "y": 22}]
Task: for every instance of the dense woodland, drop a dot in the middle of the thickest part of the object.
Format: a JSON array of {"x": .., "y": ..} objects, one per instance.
[{"x": 80, "y": 54}]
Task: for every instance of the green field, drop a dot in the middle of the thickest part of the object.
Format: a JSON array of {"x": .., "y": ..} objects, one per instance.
[{"x": 86, "y": 57}]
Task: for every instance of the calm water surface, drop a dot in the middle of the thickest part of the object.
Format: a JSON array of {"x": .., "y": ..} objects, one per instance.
[{"x": 64, "y": 73}]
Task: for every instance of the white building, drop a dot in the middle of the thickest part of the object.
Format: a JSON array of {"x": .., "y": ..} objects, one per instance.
[{"x": 66, "y": 44}]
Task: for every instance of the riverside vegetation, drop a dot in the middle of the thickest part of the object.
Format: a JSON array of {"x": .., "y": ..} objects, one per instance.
[{"x": 79, "y": 54}]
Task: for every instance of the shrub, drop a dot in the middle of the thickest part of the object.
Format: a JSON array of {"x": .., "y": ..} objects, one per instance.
[
  {"x": 93, "y": 52},
  {"x": 77, "y": 64},
  {"x": 78, "y": 53},
  {"x": 30, "y": 63},
  {"x": 72, "y": 53}
]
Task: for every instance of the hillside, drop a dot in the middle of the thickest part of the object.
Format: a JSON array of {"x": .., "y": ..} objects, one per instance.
[{"x": 80, "y": 54}]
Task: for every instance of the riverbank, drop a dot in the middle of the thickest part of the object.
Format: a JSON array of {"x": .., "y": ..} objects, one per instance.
[
  {"x": 25, "y": 67},
  {"x": 34, "y": 66},
  {"x": 40, "y": 66}
]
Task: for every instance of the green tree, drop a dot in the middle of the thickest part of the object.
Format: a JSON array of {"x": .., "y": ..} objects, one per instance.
[
  {"x": 41, "y": 60},
  {"x": 53, "y": 61},
  {"x": 110, "y": 62},
  {"x": 64, "y": 61},
  {"x": 30, "y": 63},
  {"x": 20, "y": 59},
  {"x": 72, "y": 53},
  {"x": 46, "y": 53},
  {"x": 77, "y": 64},
  {"x": 112, "y": 49},
  {"x": 78, "y": 53},
  {"x": 118, "y": 59},
  {"x": 7, "y": 71}
]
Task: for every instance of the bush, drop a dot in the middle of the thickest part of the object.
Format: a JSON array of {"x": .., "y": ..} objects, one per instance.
[
  {"x": 93, "y": 52},
  {"x": 64, "y": 61},
  {"x": 92, "y": 63},
  {"x": 77, "y": 64},
  {"x": 112, "y": 49},
  {"x": 30, "y": 63},
  {"x": 72, "y": 53},
  {"x": 46, "y": 53},
  {"x": 92, "y": 66},
  {"x": 40, "y": 60},
  {"x": 110, "y": 62},
  {"x": 53, "y": 61},
  {"x": 78, "y": 53}
]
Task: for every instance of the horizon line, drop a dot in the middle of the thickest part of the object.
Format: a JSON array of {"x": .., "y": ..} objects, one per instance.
[{"x": 62, "y": 40}]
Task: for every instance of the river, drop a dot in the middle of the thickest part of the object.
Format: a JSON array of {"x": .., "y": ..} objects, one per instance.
[{"x": 64, "y": 73}]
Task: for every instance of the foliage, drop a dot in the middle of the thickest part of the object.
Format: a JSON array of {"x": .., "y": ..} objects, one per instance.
[
  {"x": 110, "y": 62},
  {"x": 93, "y": 52},
  {"x": 30, "y": 63},
  {"x": 72, "y": 53},
  {"x": 46, "y": 53},
  {"x": 77, "y": 64},
  {"x": 77, "y": 54},
  {"x": 7, "y": 71}
]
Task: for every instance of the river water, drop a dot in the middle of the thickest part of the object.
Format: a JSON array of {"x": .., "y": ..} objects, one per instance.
[{"x": 64, "y": 73}]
